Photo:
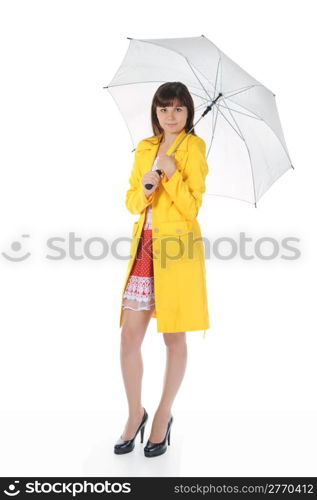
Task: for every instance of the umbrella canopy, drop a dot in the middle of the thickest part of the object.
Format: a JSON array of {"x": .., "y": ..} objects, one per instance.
[{"x": 246, "y": 148}]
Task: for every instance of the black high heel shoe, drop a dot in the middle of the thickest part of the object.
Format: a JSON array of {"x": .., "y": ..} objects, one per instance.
[
  {"x": 155, "y": 449},
  {"x": 125, "y": 446}
]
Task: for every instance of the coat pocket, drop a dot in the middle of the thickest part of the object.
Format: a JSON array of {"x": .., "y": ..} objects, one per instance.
[{"x": 177, "y": 241}]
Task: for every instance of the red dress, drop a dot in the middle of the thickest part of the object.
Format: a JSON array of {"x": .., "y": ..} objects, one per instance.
[{"x": 139, "y": 291}]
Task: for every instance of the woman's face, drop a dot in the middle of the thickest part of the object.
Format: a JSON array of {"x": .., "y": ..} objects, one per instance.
[{"x": 172, "y": 119}]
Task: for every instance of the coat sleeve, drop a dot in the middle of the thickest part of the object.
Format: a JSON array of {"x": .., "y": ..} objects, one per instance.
[
  {"x": 136, "y": 201},
  {"x": 186, "y": 190}
]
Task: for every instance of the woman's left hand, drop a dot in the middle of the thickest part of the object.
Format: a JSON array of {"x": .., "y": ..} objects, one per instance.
[{"x": 166, "y": 163}]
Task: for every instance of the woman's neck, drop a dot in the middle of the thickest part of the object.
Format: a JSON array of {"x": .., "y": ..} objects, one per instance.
[{"x": 168, "y": 139}]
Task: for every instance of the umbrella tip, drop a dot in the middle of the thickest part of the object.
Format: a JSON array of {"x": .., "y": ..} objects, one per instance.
[
  {"x": 255, "y": 205},
  {"x": 293, "y": 167},
  {"x": 203, "y": 35},
  {"x": 129, "y": 38}
]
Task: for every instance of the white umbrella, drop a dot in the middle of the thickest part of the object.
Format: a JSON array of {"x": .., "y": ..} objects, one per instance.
[{"x": 246, "y": 148}]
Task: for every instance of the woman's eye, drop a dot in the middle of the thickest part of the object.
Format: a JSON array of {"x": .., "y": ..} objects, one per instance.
[{"x": 164, "y": 109}]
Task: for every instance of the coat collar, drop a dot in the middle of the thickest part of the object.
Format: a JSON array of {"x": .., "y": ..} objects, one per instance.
[{"x": 153, "y": 142}]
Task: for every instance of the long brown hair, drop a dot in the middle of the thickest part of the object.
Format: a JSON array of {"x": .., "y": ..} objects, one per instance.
[{"x": 165, "y": 96}]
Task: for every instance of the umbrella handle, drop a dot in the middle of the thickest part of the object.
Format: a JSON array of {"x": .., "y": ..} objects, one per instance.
[{"x": 149, "y": 186}]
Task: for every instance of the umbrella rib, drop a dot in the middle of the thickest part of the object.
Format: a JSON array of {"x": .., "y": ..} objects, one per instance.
[
  {"x": 218, "y": 64},
  {"x": 209, "y": 81},
  {"x": 220, "y": 52},
  {"x": 199, "y": 106},
  {"x": 230, "y": 124},
  {"x": 201, "y": 97},
  {"x": 180, "y": 54},
  {"x": 243, "y": 139},
  {"x": 267, "y": 124},
  {"x": 215, "y": 86},
  {"x": 244, "y": 107},
  {"x": 197, "y": 77},
  {"x": 245, "y": 142},
  {"x": 240, "y": 112},
  {"x": 244, "y": 89}
]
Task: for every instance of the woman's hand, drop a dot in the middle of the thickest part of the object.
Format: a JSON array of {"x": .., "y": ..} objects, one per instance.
[
  {"x": 166, "y": 163},
  {"x": 151, "y": 177}
]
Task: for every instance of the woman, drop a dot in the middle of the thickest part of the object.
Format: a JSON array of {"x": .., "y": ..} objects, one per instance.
[{"x": 166, "y": 272}]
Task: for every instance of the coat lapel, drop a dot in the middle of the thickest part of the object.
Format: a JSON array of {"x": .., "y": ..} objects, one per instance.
[{"x": 151, "y": 145}]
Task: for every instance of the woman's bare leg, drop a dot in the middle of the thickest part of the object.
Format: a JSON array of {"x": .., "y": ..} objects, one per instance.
[
  {"x": 176, "y": 359},
  {"x": 134, "y": 327}
]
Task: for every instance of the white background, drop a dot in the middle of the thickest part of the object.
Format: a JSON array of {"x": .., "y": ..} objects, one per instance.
[{"x": 247, "y": 405}]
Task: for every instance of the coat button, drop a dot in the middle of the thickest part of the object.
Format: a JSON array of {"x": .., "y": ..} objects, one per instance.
[
  {"x": 156, "y": 229},
  {"x": 157, "y": 251},
  {"x": 178, "y": 230}
]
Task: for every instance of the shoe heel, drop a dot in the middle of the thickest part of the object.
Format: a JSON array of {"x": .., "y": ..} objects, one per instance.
[
  {"x": 169, "y": 437},
  {"x": 127, "y": 445},
  {"x": 142, "y": 433}
]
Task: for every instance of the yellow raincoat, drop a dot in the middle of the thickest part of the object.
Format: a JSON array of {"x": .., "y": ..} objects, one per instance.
[{"x": 178, "y": 252}]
